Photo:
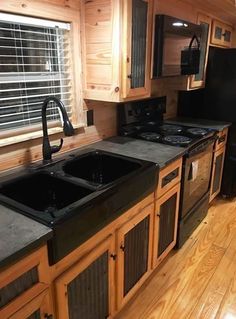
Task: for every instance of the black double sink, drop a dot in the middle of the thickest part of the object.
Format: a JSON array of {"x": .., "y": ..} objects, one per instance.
[{"x": 79, "y": 195}]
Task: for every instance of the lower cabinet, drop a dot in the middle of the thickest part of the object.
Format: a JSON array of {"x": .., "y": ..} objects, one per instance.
[
  {"x": 165, "y": 224},
  {"x": 217, "y": 171},
  {"x": 86, "y": 290},
  {"x": 38, "y": 308},
  {"x": 134, "y": 253}
]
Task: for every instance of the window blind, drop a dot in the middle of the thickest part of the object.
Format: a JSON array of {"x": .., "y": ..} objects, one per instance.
[{"x": 34, "y": 64}]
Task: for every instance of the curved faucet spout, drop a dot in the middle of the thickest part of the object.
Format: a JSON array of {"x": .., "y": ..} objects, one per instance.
[{"x": 67, "y": 128}]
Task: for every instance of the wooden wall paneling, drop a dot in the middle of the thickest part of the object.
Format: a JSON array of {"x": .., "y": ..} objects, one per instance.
[{"x": 30, "y": 151}]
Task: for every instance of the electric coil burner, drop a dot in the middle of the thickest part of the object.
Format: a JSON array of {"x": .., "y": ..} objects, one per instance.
[
  {"x": 197, "y": 161},
  {"x": 178, "y": 140},
  {"x": 150, "y": 136}
]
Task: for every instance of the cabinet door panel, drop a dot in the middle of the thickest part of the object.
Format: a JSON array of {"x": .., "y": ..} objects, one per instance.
[
  {"x": 139, "y": 39},
  {"x": 134, "y": 247},
  {"x": 86, "y": 290},
  {"x": 217, "y": 172},
  {"x": 165, "y": 224},
  {"x": 137, "y": 33},
  {"x": 136, "y": 254}
]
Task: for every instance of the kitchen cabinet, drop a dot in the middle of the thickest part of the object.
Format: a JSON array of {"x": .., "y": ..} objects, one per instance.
[
  {"x": 218, "y": 163},
  {"x": 134, "y": 254},
  {"x": 22, "y": 282},
  {"x": 165, "y": 224},
  {"x": 38, "y": 308},
  {"x": 221, "y": 34},
  {"x": 117, "y": 49},
  {"x": 86, "y": 290},
  {"x": 197, "y": 81}
]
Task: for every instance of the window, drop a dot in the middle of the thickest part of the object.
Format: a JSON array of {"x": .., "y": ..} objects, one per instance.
[{"x": 34, "y": 64}]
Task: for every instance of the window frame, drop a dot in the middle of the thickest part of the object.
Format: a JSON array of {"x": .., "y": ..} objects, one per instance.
[{"x": 64, "y": 15}]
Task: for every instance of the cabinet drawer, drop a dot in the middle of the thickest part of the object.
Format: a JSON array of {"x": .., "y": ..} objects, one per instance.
[
  {"x": 168, "y": 177},
  {"x": 222, "y": 139},
  {"x": 23, "y": 281}
]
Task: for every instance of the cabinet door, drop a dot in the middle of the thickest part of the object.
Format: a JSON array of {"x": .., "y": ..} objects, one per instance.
[
  {"x": 217, "y": 172},
  {"x": 38, "y": 308},
  {"x": 221, "y": 34},
  {"x": 86, "y": 290},
  {"x": 137, "y": 26},
  {"x": 134, "y": 254},
  {"x": 165, "y": 224},
  {"x": 198, "y": 80}
]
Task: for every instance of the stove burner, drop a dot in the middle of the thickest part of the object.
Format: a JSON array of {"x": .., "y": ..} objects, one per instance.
[
  {"x": 170, "y": 129},
  {"x": 150, "y": 136},
  {"x": 196, "y": 131},
  {"x": 177, "y": 140}
]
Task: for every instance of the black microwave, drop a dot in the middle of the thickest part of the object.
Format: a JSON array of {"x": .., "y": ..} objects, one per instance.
[{"x": 176, "y": 47}]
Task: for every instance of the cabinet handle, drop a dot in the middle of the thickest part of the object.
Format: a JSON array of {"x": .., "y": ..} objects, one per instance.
[
  {"x": 113, "y": 256},
  {"x": 129, "y": 76},
  {"x": 122, "y": 247},
  {"x": 47, "y": 316}
]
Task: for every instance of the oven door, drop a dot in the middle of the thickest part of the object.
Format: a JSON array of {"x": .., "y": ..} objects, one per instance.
[{"x": 196, "y": 175}]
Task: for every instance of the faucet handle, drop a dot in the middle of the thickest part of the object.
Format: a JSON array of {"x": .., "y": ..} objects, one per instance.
[{"x": 56, "y": 148}]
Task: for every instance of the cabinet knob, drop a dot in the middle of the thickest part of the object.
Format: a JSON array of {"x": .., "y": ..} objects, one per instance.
[
  {"x": 129, "y": 76},
  {"x": 122, "y": 247},
  {"x": 113, "y": 256},
  {"x": 47, "y": 316}
]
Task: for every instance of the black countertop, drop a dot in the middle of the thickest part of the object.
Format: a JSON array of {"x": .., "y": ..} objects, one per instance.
[
  {"x": 154, "y": 152},
  {"x": 187, "y": 121},
  {"x": 19, "y": 235}
]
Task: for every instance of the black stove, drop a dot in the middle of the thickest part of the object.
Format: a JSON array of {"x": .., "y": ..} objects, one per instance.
[
  {"x": 160, "y": 132},
  {"x": 144, "y": 120}
]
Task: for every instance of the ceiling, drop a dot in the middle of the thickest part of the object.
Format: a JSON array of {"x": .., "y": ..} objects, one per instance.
[{"x": 224, "y": 9}]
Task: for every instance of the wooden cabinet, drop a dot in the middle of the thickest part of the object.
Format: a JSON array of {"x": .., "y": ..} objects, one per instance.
[
  {"x": 221, "y": 34},
  {"x": 217, "y": 171},
  {"x": 218, "y": 163},
  {"x": 22, "y": 282},
  {"x": 198, "y": 80},
  {"x": 117, "y": 49},
  {"x": 165, "y": 224},
  {"x": 134, "y": 254},
  {"x": 38, "y": 308},
  {"x": 86, "y": 290}
]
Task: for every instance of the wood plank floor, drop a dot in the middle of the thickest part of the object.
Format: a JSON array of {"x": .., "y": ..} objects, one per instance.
[{"x": 197, "y": 281}]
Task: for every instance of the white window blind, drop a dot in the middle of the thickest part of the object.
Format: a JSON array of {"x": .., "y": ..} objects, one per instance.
[{"x": 34, "y": 64}]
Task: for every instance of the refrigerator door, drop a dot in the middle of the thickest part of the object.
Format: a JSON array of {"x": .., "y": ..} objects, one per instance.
[
  {"x": 220, "y": 104},
  {"x": 220, "y": 90}
]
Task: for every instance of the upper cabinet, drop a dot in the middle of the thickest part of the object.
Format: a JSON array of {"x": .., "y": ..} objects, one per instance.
[
  {"x": 198, "y": 80},
  {"x": 117, "y": 49},
  {"x": 221, "y": 34}
]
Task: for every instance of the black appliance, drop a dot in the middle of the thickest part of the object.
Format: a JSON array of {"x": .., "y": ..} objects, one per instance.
[
  {"x": 144, "y": 120},
  {"x": 176, "y": 47},
  {"x": 217, "y": 102}
]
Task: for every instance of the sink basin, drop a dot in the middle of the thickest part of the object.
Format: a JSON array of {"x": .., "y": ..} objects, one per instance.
[
  {"x": 100, "y": 168},
  {"x": 78, "y": 197},
  {"x": 43, "y": 193}
]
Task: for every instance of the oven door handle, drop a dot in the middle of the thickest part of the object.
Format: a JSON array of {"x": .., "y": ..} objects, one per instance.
[{"x": 201, "y": 147}]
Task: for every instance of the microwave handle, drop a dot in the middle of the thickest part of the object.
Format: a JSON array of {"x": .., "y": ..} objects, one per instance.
[{"x": 192, "y": 40}]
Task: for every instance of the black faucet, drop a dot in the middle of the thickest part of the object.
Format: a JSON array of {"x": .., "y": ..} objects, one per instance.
[{"x": 67, "y": 128}]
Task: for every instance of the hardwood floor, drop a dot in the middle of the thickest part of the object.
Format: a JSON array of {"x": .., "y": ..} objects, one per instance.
[{"x": 197, "y": 281}]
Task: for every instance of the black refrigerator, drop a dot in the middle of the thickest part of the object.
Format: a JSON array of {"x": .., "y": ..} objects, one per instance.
[{"x": 217, "y": 102}]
